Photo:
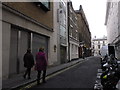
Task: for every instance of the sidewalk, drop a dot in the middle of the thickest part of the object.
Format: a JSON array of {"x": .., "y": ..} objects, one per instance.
[{"x": 18, "y": 80}]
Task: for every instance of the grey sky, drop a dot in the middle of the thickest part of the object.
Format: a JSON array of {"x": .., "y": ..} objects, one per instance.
[{"x": 95, "y": 11}]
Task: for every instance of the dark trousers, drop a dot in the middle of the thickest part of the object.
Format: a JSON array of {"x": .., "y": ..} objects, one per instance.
[
  {"x": 28, "y": 72},
  {"x": 39, "y": 75}
]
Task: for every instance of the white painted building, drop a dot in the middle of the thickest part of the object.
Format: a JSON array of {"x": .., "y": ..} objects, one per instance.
[
  {"x": 97, "y": 44},
  {"x": 60, "y": 28},
  {"x": 112, "y": 23}
]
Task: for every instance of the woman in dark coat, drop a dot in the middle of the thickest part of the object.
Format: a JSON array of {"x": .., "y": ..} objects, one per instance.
[
  {"x": 28, "y": 63},
  {"x": 41, "y": 65}
]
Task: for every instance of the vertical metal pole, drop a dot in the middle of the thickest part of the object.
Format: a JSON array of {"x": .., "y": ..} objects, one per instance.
[
  {"x": 1, "y": 52},
  {"x": 68, "y": 31},
  {"x": 31, "y": 41}
]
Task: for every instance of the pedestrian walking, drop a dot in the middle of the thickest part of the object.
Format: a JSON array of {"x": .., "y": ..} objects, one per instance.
[
  {"x": 83, "y": 55},
  {"x": 28, "y": 63},
  {"x": 41, "y": 65}
]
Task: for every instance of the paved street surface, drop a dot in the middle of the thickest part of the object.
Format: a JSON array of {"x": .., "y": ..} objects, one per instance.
[{"x": 80, "y": 76}]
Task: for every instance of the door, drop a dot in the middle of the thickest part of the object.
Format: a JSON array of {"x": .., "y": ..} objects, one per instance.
[
  {"x": 13, "y": 52},
  {"x": 62, "y": 54},
  {"x": 111, "y": 50}
]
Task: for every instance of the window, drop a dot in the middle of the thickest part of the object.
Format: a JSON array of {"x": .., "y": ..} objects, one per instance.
[
  {"x": 44, "y": 5},
  {"x": 98, "y": 42},
  {"x": 62, "y": 31},
  {"x": 103, "y": 43},
  {"x": 71, "y": 10},
  {"x": 98, "y": 46},
  {"x": 76, "y": 34},
  {"x": 71, "y": 26},
  {"x": 99, "y": 52}
]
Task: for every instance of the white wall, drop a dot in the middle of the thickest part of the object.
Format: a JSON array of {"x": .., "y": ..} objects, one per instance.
[
  {"x": 58, "y": 32},
  {"x": 112, "y": 23},
  {"x": 73, "y": 50},
  {"x": 113, "y": 26},
  {"x": 118, "y": 46},
  {"x": 55, "y": 56},
  {"x": 119, "y": 18}
]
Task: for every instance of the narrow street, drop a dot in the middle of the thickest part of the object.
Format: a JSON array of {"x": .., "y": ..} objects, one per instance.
[
  {"x": 56, "y": 35},
  {"x": 80, "y": 76}
]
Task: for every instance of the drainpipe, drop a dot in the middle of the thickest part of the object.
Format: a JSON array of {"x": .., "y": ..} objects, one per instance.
[{"x": 68, "y": 32}]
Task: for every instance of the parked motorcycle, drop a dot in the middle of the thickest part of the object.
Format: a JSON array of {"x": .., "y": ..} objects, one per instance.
[
  {"x": 104, "y": 63},
  {"x": 111, "y": 73},
  {"x": 110, "y": 79}
]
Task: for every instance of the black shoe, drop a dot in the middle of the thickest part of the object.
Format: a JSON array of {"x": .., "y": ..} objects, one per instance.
[
  {"x": 43, "y": 81},
  {"x": 38, "y": 82},
  {"x": 29, "y": 77},
  {"x": 24, "y": 76}
]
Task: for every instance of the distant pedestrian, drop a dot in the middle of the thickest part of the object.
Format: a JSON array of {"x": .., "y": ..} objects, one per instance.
[
  {"x": 28, "y": 63},
  {"x": 83, "y": 55},
  {"x": 41, "y": 65}
]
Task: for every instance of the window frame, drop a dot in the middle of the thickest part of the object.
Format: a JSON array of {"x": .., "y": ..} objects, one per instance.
[{"x": 43, "y": 6}]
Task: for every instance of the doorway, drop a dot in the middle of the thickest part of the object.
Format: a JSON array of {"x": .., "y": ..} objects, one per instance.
[{"x": 111, "y": 50}]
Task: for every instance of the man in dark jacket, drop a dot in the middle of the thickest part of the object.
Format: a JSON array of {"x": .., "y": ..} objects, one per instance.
[{"x": 28, "y": 63}]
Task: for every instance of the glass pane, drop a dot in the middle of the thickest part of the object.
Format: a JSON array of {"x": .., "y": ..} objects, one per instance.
[
  {"x": 62, "y": 31},
  {"x": 45, "y": 3}
]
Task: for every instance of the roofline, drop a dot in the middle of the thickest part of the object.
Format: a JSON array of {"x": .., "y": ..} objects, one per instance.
[{"x": 81, "y": 11}]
